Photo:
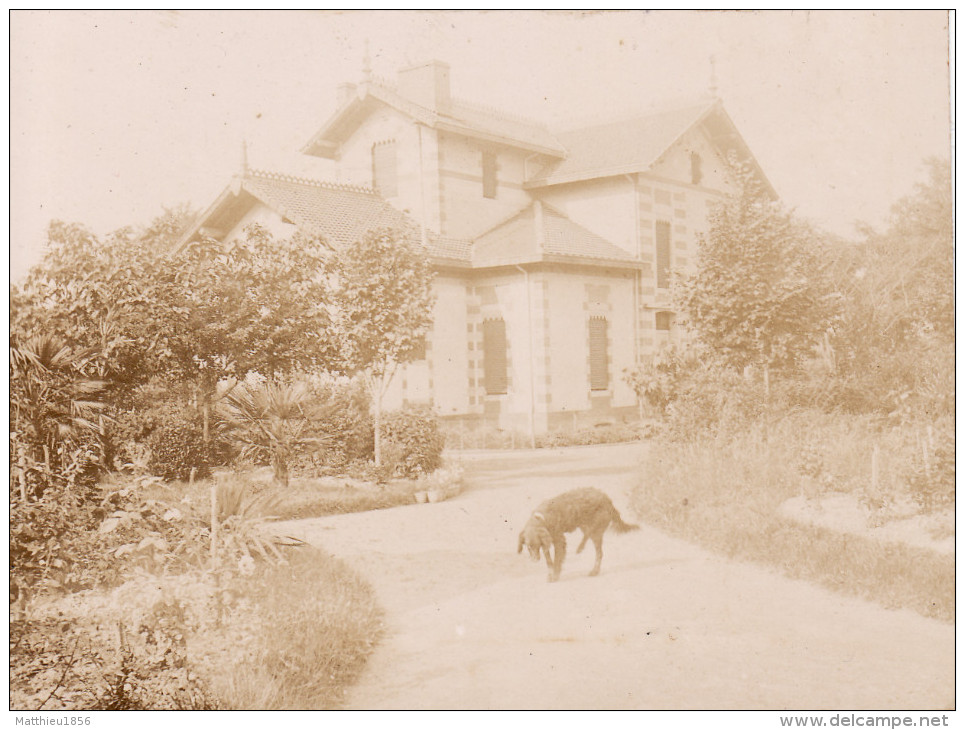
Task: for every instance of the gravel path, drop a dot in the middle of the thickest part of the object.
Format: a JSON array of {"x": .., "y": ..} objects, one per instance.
[{"x": 667, "y": 625}]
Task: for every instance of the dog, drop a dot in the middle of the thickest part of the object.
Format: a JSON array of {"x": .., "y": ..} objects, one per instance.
[{"x": 588, "y": 509}]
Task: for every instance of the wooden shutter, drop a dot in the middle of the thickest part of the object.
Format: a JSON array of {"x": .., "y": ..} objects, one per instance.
[
  {"x": 384, "y": 171},
  {"x": 489, "y": 174},
  {"x": 663, "y": 321},
  {"x": 599, "y": 370},
  {"x": 663, "y": 255},
  {"x": 494, "y": 356}
]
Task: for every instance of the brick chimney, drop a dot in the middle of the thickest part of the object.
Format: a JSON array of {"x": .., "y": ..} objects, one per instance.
[{"x": 427, "y": 84}]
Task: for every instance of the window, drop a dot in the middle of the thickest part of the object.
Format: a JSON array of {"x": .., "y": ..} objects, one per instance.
[
  {"x": 494, "y": 357},
  {"x": 663, "y": 321},
  {"x": 489, "y": 174},
  {"x": 696, "y": 174},
  {"x": 599, "y": 370},
  {"x": 384, "y": 172},
  {"x": 663, "y": 255}
]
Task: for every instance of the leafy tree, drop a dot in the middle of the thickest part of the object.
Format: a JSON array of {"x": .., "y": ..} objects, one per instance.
[
  {"x": 195, "y": 314},
  {"x": 895, "y": 338},
  {"x": 255, "y": 305},
  {"x": 115, "y": 295},
  {"x": 761, "y": 295},
  {"x": 382, "y": 310}
]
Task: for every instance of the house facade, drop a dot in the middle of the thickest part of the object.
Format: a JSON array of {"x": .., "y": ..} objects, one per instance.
[{"x": 552, "y": 251}]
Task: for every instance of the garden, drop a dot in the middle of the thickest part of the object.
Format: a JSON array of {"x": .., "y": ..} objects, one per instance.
[
  {"x": 810, "y": 426},
  {"x": 168, "y": 403}
]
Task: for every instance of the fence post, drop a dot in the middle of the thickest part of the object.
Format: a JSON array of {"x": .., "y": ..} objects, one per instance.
[{"x": 214, "y": 525}]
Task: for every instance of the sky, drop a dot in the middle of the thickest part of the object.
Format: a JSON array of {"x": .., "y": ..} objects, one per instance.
[{"x": 116, "y": 114}]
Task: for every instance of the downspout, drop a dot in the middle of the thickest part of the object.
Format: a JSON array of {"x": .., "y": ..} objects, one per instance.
[
  {"x": 532, "y": 362},
  {"x": 637, "y": 274},
  {"x": 422, "y": 190}
]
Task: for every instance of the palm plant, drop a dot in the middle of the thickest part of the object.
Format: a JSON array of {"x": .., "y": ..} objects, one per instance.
[
  {"x": 56, "y": 411},
  {"x": 270, "y": 420}
]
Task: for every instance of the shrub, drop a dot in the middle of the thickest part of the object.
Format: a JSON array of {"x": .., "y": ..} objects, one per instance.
[
  {"x": 606, "y": 433},
  {"x": 416, "y": 433},
  {"x": 339, "y": 420},
  {"x": 58, "y": 664},
  {"x": 162, "y": 433},
  {"x": 714, "y": 402},
  {"x": 178, "y": 450},
  {"x": 931, "y": 475},
  {"x": 56, "y": 417}
]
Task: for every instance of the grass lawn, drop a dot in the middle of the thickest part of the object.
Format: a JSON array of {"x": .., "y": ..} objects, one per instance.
[{"x": 727, "y": 496}]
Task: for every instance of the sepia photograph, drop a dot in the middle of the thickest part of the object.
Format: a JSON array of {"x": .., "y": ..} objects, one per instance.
[{"x": 473, "y": 360}]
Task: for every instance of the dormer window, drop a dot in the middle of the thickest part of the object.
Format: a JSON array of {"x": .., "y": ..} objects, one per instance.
[
  {"x": 489, "y": 174},
  {"x": 384, "y": 169},
  {"x": 696, "y": 174}
]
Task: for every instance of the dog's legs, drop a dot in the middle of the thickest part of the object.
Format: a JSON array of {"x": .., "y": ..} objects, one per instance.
[
  {"x": 583, "y": 541},
  {"x": 559, "y": 555},
  {"x": 549, "y": 560},
  {"x": 598, "y": 544}
]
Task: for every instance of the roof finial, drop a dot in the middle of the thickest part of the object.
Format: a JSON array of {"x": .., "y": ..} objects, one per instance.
[
  {"x": 244, "y": 156},
  {"x": 713, "y": 77},
  {"x": 367, "y": 63}
]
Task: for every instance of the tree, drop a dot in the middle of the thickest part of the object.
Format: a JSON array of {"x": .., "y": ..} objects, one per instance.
[
  {"x": 270, "y": 418},
  {"x": 895, "y": 337},
  {"x": 382, "y": 310},
  {"x": 55, "y": 409},
  {"x": 761, "y": 295},
  {"x": 116, "y": 295},
  {"x": 194, "y": 314},
  {"x": 254, "y": 305}
]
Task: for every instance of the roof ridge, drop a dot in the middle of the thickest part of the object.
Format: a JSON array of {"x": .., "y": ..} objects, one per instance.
[
  {"x": 504, "y": 221},
  {"x": 625, "y": 117},
  {"x": 472, "y": 105},
  {"x": 496, "y": 111},
  {"x": 285, "y": 177}
]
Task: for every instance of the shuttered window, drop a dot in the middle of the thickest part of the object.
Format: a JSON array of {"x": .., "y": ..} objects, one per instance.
[
  {"x": 494, "y": 357},
  {"x": 663, "y": 320},
  {"x": 384, "y": 169},
  {"x": 599, "y": 372},
  {"x": 663, "y": 255},
  {"x": 489, "y": 174}
]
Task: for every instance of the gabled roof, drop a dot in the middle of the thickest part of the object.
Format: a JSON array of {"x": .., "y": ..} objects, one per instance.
[
  {"x": 522, "y": 239},
  {"x": 341, "y": 214},
  {"x": 637, "y": 144},
  {"x": 459, "y": 117}
]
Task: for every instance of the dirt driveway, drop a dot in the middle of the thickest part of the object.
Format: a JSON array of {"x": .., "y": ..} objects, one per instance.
[{"x": 666, "y": 625}]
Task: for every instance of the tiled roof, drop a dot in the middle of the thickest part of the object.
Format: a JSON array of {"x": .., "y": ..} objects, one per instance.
[
  {"x": 341, "y": 214},
  {"x": 490, "y": 121},
  {"x": 515, "y": 242},
  {"x": 461, "y": 117},
  {"x": 619, "y": 146}
]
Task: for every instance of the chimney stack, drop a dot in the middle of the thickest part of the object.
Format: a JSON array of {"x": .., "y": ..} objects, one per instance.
[{"x": 427, "y": 84}]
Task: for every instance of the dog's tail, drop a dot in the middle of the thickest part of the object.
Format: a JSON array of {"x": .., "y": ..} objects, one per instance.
[{"x": 619, "y": 525}]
